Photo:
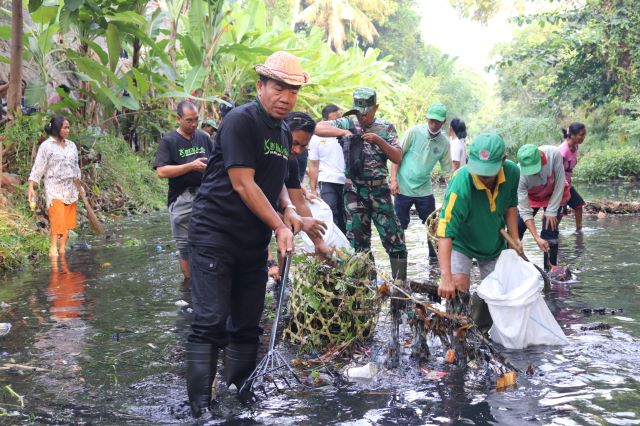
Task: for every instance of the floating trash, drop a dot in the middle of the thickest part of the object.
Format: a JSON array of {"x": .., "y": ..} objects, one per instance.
[
  {"x": 367, "y": 371},
  {"x": 81, "y": 246},
  {"x": 5, "y": 328}
]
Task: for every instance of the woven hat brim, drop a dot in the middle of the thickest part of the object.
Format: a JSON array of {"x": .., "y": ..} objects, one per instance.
[{"x": 291, "y": 79}]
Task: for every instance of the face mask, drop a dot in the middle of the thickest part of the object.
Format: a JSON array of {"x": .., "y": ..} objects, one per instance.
[{"x": 434, "y": 134}]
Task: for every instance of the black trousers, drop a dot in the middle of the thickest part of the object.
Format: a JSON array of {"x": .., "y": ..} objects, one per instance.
[
  {"x": 553, "y": 237},
  {"x": 332, "y": 194},
  {"x": 228, "y": 289}
]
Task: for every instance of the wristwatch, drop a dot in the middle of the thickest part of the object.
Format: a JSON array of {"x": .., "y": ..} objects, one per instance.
[{"x": 290, "y": 206}]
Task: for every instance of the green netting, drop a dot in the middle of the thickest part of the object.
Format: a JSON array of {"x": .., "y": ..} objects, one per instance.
[{"x": 332, "y": 303}]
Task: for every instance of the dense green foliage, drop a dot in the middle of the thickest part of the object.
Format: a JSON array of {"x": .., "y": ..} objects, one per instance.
[
  {"x": 400, "y": 38},
  {"x": 613, "y": 163},
  {"x": 577, "y": 62},
  {"x": 132, "y": 175}
]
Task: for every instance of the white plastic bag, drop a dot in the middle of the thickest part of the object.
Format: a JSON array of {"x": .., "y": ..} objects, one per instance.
[
  {"x": 333, "y": 235},
  {"x": 520, "y": 315}
]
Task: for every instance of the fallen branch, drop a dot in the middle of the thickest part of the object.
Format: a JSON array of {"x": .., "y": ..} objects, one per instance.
[
  {"x": 10, "y": 366},
  {"x": 612, "y": 207},
  {"x": 459, "y": 333}
]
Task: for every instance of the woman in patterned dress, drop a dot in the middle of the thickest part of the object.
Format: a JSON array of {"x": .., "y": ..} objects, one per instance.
[{"x": 57, "y": 162}]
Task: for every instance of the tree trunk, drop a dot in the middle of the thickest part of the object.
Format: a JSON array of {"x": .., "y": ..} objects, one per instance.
[
  {"x": 1, "y": 168},
  {"x": 15, "y": 81},
  {"x": 137, "y": 45},
  {"x": 296, "y": 12}
]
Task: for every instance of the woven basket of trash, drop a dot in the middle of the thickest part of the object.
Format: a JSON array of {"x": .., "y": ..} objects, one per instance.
[{"x": 332, "y": 302}]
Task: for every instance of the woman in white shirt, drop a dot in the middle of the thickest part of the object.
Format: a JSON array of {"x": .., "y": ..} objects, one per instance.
[
  {"x": 457, "y": 134},
  {"x": 57, "y": 162}
]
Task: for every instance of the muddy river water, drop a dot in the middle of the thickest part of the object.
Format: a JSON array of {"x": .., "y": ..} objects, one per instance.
[{"x": 105, "y": 333}]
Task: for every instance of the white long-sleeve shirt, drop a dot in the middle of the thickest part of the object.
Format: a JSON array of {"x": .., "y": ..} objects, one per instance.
[
  {"x": 59, "y": 166},
  {"x": 545, "y": 188}
]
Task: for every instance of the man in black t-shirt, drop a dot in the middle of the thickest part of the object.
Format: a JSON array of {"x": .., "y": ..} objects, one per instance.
[
  {"x": 234, "y": 213},
  {"x": 182, "y": 158}
]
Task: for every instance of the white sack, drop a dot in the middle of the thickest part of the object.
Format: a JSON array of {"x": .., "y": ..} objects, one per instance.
[
  {"x": 333, "y": 236},
  {"x": 520, "y": 315}
]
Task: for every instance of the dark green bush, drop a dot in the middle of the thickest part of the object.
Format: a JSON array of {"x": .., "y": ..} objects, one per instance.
[{"x": 608, "y": 164}]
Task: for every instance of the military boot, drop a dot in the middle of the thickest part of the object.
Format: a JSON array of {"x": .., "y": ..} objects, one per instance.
[
  {"x": 399, "y": 274},
  {"x": 202, "y": 360},
  {"x": 398, "y": 268}
]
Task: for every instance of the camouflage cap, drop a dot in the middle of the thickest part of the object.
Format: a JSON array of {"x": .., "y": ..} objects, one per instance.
[{"x": 363, "y": 99}]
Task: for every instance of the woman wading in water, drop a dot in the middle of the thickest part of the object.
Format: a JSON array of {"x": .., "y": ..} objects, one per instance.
[{"x": 57, "y": 162}]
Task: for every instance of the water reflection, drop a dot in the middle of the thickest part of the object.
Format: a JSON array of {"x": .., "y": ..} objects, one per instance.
[
  {"x": 60, "y": 343},
  {"x": 65, "y": 291}
]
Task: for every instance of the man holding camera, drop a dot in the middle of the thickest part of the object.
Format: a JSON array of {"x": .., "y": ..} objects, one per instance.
[
  {"x": 367, "y": 196},
  {"x": 182, "y": 158}
]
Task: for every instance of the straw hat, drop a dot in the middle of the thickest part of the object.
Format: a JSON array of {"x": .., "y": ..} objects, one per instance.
[{"x": 284, "y": 67}]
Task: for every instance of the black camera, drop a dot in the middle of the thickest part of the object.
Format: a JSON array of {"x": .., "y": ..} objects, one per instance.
[{"x": 353, "y": 151}]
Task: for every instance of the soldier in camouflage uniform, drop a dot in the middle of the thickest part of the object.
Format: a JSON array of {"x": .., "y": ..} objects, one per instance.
[{"x": 366, "y": 195}]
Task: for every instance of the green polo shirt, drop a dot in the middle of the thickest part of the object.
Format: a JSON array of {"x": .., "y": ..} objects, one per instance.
[
  {"x": 420, "y": 153},
  {"x": 472, "y": 215}
]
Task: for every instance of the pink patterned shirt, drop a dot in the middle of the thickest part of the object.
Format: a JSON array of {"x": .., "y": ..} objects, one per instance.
[{"x": 569, "y": 158}]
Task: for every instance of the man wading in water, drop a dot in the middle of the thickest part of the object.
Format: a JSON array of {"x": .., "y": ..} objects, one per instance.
[
  {"x": 233, "y": 216},
  {"x": 542, "y": 185},
  {"x": 182, "y": 157},
  {"x": 482, "y": 197}
]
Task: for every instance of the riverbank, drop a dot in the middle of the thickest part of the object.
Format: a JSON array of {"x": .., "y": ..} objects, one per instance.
[{"x": 118, "y": 182}]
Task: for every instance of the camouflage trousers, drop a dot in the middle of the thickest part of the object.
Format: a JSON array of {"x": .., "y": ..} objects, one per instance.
[{"x": 365, "y": 203}]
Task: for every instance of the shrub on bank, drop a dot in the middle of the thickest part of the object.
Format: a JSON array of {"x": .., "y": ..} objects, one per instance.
[
  {"x": 122, "y": 182},
  {"x": 20, "y": 239},
  {"x": 608, "y": 164}
]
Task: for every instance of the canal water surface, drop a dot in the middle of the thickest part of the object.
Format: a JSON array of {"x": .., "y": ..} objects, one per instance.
[{"x": 105, "y": 331}]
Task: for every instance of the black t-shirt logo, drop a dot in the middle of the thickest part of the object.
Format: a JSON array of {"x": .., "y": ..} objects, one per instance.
[
  {"x": 274, "y": 148},
  {"x": 185, "y": 152}
]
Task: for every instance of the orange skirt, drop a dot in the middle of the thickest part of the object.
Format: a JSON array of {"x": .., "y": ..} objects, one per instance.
[{"x": 62, "y": 217}]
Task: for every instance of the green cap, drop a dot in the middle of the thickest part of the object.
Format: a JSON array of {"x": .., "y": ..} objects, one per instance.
[
  {"x": 529, "y": 159},
  {"x": 485, "y": 155},
  {"x": 437, "y": 112},
  {"x": 210, "y": 122},
  {"x": 363, "y": 99}
]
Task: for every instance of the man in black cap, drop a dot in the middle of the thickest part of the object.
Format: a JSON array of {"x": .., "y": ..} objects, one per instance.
[{"x": 241, "y": 201}]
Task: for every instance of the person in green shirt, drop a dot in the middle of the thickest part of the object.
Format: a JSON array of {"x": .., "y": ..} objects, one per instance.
[
  {"x": 482, "y": 197},
  {"x": 422, "y": 147}
]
